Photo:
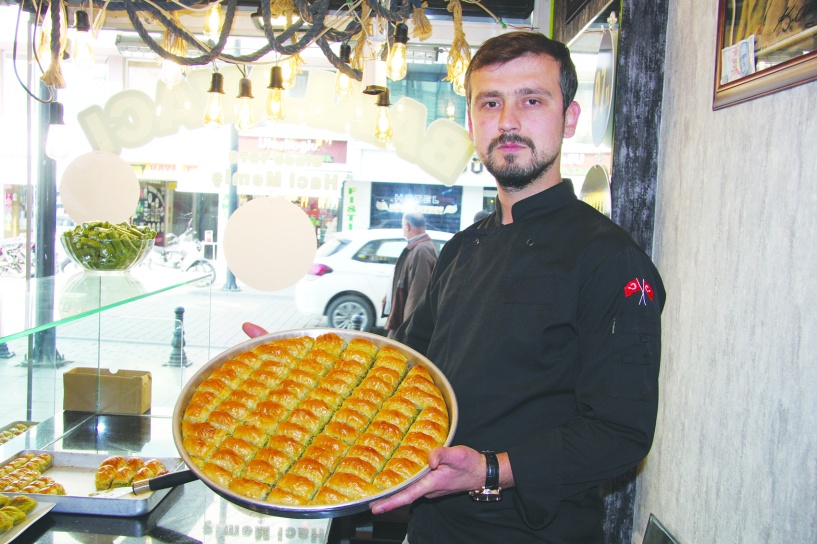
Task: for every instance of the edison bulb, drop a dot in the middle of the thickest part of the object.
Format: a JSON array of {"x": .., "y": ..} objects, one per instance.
[
  {"x": 382, "y": 127},
  {"x": 244, "y": 118},
  {"x": 289, "y": 72},
  {"x": 275, "y": 104},
  {"x": 397, "y": 65},
  {"x": 214, "y": 110},
  {"x": 172, "y": 74},
  {"x": 83, "y": 55},
  {"x": 343, "y": 85},
  {"x": 58, "y": 142},
  {"x": 213, "y": 20}
]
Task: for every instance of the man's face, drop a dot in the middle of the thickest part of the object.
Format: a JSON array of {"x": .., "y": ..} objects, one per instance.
[{"x": 517, "y": 120}]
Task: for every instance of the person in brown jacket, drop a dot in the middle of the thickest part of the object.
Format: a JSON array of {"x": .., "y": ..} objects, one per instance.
[{"x": 412, "y": 271}]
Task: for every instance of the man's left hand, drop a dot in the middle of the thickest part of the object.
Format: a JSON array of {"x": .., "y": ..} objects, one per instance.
[{"x": 453, "y": 470}]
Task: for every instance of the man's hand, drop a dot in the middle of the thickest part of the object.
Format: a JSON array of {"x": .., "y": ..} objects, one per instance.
[
  {"x": 252, "y": 330},
  {"x": 453, "y": 470}
]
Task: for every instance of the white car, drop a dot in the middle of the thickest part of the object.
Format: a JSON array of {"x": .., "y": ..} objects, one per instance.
[{"x": 351, "y": 274}]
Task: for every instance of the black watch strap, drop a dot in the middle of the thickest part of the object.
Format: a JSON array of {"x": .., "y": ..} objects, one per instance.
[
  {"x": 491, "y": 470},
  {"x": 491, "y": 490}
]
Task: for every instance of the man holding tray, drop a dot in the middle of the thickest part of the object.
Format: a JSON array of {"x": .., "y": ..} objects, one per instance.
[{"x": 545, "y": 318}]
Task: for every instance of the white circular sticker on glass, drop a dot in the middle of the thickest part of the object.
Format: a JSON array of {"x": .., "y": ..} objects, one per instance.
[
  {"x": 269, "y": 243},
  {"x": 99, "y": 186}
]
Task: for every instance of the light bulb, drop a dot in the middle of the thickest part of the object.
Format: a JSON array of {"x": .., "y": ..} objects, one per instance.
[
  {"x": 214, "y": 109},
  {"x": 382, "y": 124},
  {"x": 172, "y": 74},
  {"x": 83, "y": 54},
  {"x": 244, "y": 118},
  {"x": 289, "y": 72},
  {"x": 58, "y": 139},
  {"x": 343, "y": 83},
  {"x": 275, "y": 105},
  {"x": 57, "y": 142},
  {"x": 396, "y": 69},
  {"x": 213, "y": 21},
  {"x": 397, "y": 62},
  {"x": 458, "y": 85},
  {"x": 457, "y": 76}
]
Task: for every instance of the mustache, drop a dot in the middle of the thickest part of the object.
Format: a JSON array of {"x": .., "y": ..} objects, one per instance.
[{"x": 511, "y": 138}]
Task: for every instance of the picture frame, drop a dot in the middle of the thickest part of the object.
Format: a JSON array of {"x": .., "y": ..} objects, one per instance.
[{"x": 763, "y": 47}]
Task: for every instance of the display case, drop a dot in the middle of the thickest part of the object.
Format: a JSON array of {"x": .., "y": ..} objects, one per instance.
[{"x": 81, "y": 325}]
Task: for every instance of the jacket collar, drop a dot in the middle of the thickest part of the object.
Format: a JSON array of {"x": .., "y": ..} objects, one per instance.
[
  {"x": 541, "y": 203},
  {"x": 418, "y": 239}
]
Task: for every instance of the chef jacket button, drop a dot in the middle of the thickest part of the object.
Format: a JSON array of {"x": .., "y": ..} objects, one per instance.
[
  {"x": 529, "y": 242},
  {"x": 476, "y": 241}
]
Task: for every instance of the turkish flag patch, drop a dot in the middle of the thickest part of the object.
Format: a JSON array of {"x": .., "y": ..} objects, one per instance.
[
  {"x": 632, "y": 287},
  {"x": 635, "y": 286}
]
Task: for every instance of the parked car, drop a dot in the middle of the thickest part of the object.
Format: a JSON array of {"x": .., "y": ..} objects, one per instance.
[{"x": 351, "y": 274}]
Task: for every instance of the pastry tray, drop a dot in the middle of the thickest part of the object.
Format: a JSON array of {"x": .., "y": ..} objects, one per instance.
[
  {"x": 76, "y": 472},
  {"x": 311, "y": 511}
]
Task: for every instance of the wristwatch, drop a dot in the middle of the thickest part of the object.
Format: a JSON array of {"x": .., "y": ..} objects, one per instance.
[{"x": 491, "y": 490}]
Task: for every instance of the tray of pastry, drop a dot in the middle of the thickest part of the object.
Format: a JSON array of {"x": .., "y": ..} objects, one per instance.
[
  {"x": 313, "y": 423},
  {"x": 69, "y": 479},
  {"x": 15, "y": 428}
]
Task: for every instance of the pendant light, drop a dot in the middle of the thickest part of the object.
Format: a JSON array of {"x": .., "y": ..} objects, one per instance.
[
  {"x": 382, "y": 126},
  {"x": 58, "y": 139},
  {"x": 214, "y": 109},
  {"x": 83, "y": 52},
  {"x": 397, "y": 64},
  {"x": 343, "y": 83},
  {"x": 244, "y": 118},
  {"x": 213, "y": 21},
  {"x": 275, "y": 105}
]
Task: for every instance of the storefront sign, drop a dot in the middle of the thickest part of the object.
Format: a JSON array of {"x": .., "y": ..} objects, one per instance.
[
  {"x": 289, "y": 183},
  {"x": 131, "y": 118},
  {"x": 441, "y": 206},
  {"x": 350, "y": 212}
]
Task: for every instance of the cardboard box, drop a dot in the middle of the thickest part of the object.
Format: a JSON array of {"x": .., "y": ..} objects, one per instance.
[{"x": 120, "y": 392}]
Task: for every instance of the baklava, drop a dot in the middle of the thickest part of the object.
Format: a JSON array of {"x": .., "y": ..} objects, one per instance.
[{"x": 308, "y": 421}]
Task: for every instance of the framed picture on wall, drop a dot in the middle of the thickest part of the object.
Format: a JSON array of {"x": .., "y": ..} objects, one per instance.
[{"x": 763, "y": 47}]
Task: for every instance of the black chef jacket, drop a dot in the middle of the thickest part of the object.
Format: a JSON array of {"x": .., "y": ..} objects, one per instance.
[{"x": 548, "y": 329}]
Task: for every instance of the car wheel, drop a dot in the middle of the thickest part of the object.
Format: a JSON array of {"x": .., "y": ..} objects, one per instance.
[{"x": 344, "y": 308}]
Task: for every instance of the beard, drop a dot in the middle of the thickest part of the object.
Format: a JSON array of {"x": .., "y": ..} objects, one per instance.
[{"x": 510, "y": 174}]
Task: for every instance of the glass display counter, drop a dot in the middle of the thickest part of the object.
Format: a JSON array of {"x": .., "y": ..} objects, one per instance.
[
  {"x": 37, "y": 304},
  {"x": 188, "y": 513},
  {"x": 88, "y": 321}
]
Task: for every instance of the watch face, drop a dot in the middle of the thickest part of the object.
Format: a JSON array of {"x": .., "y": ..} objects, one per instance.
[{"x": 486, "y": 494}]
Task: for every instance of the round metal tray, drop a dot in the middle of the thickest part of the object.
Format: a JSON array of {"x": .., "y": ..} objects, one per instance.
[{"x": 316, "y": 511}]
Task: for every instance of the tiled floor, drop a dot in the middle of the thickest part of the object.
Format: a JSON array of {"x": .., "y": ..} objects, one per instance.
[{"x": 140, "y": 336}]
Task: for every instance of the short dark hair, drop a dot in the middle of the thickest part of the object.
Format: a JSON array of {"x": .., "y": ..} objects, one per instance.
[
  {"x": 512, "y": 45},
  {"x": 415, "y": 219}
]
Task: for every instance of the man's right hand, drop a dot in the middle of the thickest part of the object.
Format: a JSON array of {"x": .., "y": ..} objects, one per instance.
[{"x": 252, "y": 330}]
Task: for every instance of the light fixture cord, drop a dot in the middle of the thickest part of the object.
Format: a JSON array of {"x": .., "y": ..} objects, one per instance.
[
  {"x": 53, "y": 75},
  {"x": 460, "y": 54}
]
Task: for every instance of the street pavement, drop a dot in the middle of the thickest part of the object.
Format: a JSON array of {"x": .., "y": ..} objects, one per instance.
[{"x": 143, "y": 335}]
